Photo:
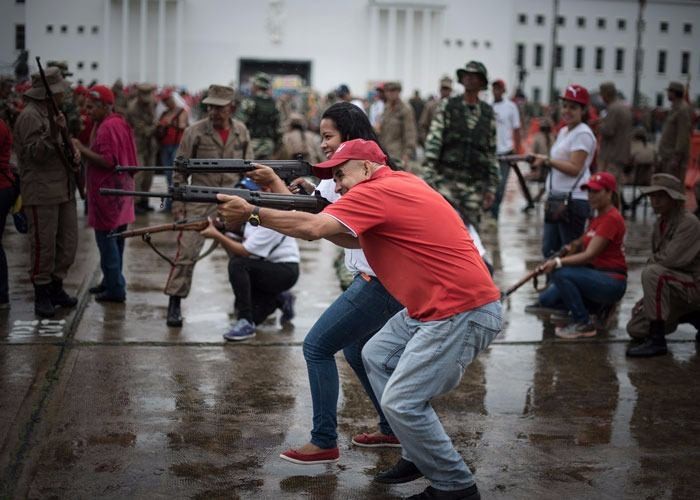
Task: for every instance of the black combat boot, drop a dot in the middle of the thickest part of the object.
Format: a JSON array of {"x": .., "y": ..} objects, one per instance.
[
  {"x": 59, "y": 297},
  {"x": 42, "y": 301},
  {"x": 655, "y": 343},
  {"x": 174, "y": 314}
]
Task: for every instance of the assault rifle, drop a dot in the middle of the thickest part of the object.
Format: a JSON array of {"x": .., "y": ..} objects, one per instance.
[
  {"x": 196, "y": 224},
  {"x": 64, "y": 150},
  {"x": 287, "y": 170},
  {"x": 513, "y": 161},
  {"x": 207, "y": 194}
]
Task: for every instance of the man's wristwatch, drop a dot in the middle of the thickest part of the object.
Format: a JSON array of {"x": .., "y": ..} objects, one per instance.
[{"x": 254, "y": 217}]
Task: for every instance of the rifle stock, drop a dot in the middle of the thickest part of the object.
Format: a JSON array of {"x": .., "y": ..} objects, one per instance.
[
  {"x": 207, "y": 194},
  {"x": 516, "y": 158},
  {"x": 532, "y": 274},
  {"x": 197, "y": 224}
]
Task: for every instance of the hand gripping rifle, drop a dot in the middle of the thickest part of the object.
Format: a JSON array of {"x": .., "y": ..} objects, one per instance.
[
  {"x": 513, "y": 161},
  {"x": 65, "y": 150},
  {"x": 207, "y": 194},
  {"x": 287, "y": 170}
]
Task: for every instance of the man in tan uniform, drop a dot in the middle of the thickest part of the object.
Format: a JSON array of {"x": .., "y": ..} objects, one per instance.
[
  {"x": 615, "y": 131},
  {"x": 671, "y": 278},
  {"x": 674, "y": 144},
  {"x": 141, "y": 115},
  {"x": 48, "y": 195},
  {"x": 217, "y": 136},
  {"x": 397, "y": 132},
  {"x": 431, "y": 108}
]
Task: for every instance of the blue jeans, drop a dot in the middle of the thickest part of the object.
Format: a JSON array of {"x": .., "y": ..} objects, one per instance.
[
  {"x": 556, "y": 235},
  {"x": 111, "y": 259},
  {"x": 410, "y": 362},
  {"x": 574, "y": 287},
  {"x": 167, "y": 157},
  {"x": 347, "y": 324}
]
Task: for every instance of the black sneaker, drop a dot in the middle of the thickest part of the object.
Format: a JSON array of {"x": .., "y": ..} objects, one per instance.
[
  {"x": 97, "y": 289},
  {"x": 430, "y": 493},
  {"x": 402, "y": 472},
  {"x": 537, "y": 308}
]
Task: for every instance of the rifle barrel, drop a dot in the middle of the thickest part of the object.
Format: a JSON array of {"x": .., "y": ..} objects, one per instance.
[{"x": 121, "y": 192}]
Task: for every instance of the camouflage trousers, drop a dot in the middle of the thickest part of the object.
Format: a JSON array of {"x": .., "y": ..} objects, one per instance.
[{"x": 263, "y": 149}]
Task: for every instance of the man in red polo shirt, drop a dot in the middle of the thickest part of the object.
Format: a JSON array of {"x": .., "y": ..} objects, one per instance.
[{"x": 421, "y": 251}]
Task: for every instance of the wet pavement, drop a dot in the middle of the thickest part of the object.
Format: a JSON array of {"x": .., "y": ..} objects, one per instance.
[{"x": 107, "y": 401}]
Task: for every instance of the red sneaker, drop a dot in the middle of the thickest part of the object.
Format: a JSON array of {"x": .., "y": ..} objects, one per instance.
[
  {"x": 328, "y": 456},
  {"x": 376, "y": 441}
]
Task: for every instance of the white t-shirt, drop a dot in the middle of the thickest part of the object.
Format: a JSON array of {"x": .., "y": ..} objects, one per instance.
[
  {"x": 507, "y": 120},
  {"x": 355, "y": 260},
  {"x": 270, "y": 245},
  {"x": 580, "y": 138}
]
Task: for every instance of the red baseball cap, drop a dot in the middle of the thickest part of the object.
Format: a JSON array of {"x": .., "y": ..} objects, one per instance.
[
  {"x": 357, "y": 149},
  {"x": 576, "y": 93},
  {"x": 498, "y": 83},
  {"x": 102, "y": 93},
  {"x": 601, "y": 180},
  {"x": 81, "y": 90}
]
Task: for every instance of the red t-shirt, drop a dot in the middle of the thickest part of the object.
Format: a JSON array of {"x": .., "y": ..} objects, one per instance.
[
  {"x": 610, "y": 226},
  {"x": 223, "y": 133},
  {"x": 416, "y": 244}
]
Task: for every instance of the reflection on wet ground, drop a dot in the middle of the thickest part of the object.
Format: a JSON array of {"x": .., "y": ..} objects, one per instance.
[{"x": 118, "y": 405}]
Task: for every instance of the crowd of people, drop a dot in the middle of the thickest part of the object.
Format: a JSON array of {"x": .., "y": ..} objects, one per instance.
[{"x": 421, "y": 304}]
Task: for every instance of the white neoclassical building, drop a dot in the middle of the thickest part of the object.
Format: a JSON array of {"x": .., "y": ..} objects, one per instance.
[{"x": 358, "y": 42}]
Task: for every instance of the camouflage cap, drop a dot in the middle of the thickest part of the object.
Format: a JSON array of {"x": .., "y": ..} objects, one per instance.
[
  {"x": 145, "y": 88},
  {"x": 676, "y": 87},
  {"x": 389, "y": 86},
  {"x": 219, "y": 95},
  {"x": 55, "y": 80},
  {"x": 262, "y": 80},
  {"x": 446, "y": 82},
  {"x": 474, "y": 67},
  {"x": 61, "y": 65}
]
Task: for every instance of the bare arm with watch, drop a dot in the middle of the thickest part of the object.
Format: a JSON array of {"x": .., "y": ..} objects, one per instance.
[
  {"x": 579, "y": 258},
  {"x": 571, "y": 167}
]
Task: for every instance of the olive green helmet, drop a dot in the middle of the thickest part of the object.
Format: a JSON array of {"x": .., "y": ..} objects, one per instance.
[{"x": 474, "y": 67}]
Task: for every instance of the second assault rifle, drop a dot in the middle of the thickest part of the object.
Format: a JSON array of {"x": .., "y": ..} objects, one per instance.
[
  {"x": 287, "y": 170},
  {"x": 207, "y": 194},
  {"x": 513, "y": 161}
]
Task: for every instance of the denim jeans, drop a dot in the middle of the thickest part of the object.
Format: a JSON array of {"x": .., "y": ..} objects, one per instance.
[
  {"x": 558, "y": 234},
  {"x": 578, "y": 288},
  {"x": 347, "y": 324},
  {"x": 111, "y": 259},
  {"x": 167, "y": 157},
  {"x": 410, "y": 362}
]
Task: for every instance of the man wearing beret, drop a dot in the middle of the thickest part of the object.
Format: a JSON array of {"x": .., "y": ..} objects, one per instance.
[
  {"x": 48, "y": 195},
  {"x": 674, "y": 144},
  {"x": 397, "y": 131},
  {"x": 422, "y": 252},
  {"x": 671, "y": 278}
]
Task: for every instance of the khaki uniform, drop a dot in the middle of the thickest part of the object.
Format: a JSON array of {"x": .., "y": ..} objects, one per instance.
[
  {"x": 142, "y": 118},
  {"x": 48, "y": 195},
  {"x": 615, "y": 136},
  {"x": 305, "y": 143},
  {"x": 671, "y": 279},
  {"x": 642, "y": 160},
  {"x": 398, "y": 131},
  {"x": 200, "y": 140},
  {"x": 674, "y": 144}
]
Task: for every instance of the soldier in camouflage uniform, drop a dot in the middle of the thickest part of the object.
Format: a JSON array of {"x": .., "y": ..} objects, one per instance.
[
  {"x": 8, "y": 111},
  {"x": 141, "y": 115},
  {"x": 460, "y": 151},
  {"x": 262, "y": 118},
  {"x": 68, "y": 107}
]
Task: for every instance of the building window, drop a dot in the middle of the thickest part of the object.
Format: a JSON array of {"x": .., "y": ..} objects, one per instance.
[
  {"x": 559, "y": 57},
  {"x": 64, "y": 29},
  {"x": 539, "y": 19},
  {"x": 599, "y": 58},
  {"x": 536, "y": 94},
  {"x": 538, "y": 55},
  {"x": 601, "y": 23},
  {"x": 687, "y": 28},
  {"x": 620, "y": 60},
  {"x": 487, "y": 44},
  {"x": 561, "y": 21},
  {"x": 663, "y": 27},
  {"x": 94, "y": 65},
  {"x": 19, "y": 1},
  {"x": 19, "y": 37},
  {"x": 581, "y": 22},
  {"x": 522, "y": 18},
  {"x": 622, "y": 24},
  {"x": 81, "y": 30},
  {"x": 659, "y": 99},
  {"x": 459, "y": 42},
  {"x": 80, "y": 65},
  {"x": 95, "y": 30},
  {"x": 475, "y": 44},
  {"x": 520, "y": 55},
  {"x": 49, "y": 28},
  {"x": 685, "y": 62},
  {"x": 578, "y": 64},
  {"x": 661, "y": 62}
]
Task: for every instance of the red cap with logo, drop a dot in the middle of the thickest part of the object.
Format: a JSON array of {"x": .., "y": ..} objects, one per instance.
[
  {"x": 601, "y": 180},
  {"x": 576, "y": 93},
  {"x": 102, "y": 93},
  {"x": 357, "y": 149}
]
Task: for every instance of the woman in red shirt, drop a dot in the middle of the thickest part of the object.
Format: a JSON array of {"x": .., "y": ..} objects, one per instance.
[{"x": 593, "y": 271}]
